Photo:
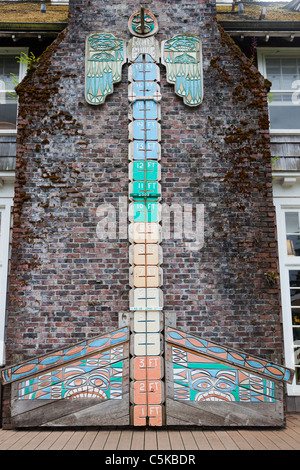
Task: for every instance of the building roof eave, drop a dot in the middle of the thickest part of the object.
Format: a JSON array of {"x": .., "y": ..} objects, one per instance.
[{"x": 255, "y": 26}]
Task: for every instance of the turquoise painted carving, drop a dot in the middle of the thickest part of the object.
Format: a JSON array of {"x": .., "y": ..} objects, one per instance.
[
  {"x": 182, "y": 56},
  {"x": 143, "y": 24},
  {"x": 105, "y": 56}
]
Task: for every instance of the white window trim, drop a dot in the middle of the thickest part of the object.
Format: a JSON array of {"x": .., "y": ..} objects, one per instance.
[
  {"x": 22, "y": 73},
  {"x": 6, "y": 203},
  {"x": 285, "y": 264},
  {"x": 262, "y": 52}
]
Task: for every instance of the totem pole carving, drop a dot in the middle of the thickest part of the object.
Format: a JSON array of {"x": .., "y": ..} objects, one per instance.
[{"x": 182, "y": 57}]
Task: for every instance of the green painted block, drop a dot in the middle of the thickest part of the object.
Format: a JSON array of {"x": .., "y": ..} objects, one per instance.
[
  {"x": 145, "y": 171},
  {"x": 145, "y": 211}
]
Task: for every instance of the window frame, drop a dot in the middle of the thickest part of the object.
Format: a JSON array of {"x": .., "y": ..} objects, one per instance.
[
  {"x": 287, "y": 263},
  {"x": 6, "y": 205},
  {"x": 281, "y": 52},
  {"x": 22, "y": 73}
]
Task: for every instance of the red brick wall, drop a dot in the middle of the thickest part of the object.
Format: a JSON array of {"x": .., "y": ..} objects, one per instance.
[{"x": 65, "y": 283}]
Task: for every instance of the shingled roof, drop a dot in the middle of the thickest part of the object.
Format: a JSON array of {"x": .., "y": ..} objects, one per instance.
[
  {"x": 252, "y": 11},
  {"x": 27, "y": 16}
]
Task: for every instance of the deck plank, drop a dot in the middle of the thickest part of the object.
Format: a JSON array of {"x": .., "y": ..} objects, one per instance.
[
  {"x": 201, "y": 440},
  {"x": 125, "y": 440},
  {"x": 283, "y": 441},
  {"x": 240, "y": 441},
  {"x": 163, "y": 441},
  {"x": 6, "y": 444},
  {"x": 24, "y": 440},
  {"x": 155, "y": 439},
  {"x": 175, "y": 440},
  {"x": 150, "y": 440},
  {"x": 50, "y": 439},
  {"x": 227, "y": 440},
  {"x": 253, "y": 438},
  {"x": 138, "y": 440},
  {"x": 188, "y": 440},
  {"x": 100, "y": 440},
  {"x": 213, "y": 439},
  {"x": 37, "y": 440},
  {"x": 60, "y": 443},
  {"x": 112, "y": 440},
  {"x": 74, "y": 440},
  {"x": 87, "y": 441},
  {"x": 4, "y": 435}
]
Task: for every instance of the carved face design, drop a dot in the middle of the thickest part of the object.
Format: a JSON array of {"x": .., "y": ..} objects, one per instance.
[
  {"x": 214, "y": 385},
  {"x": 143, "y": 24},
  {"x": 91, "y": 385},
  {"x": 104, "y": 42}
]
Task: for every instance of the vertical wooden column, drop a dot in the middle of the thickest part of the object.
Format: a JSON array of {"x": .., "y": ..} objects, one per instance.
[{"x": 146, "y": 302}]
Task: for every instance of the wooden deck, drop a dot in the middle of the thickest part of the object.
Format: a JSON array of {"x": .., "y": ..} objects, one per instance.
[{"x": 173, "y": 440}]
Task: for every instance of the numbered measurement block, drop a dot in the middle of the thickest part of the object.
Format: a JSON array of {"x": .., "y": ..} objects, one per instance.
[
  {"x": 146, "y": 344},
  {"x": 142, "y": 189},
  {"x": 142, "y": 298},
  {"x": 146, "y": 276},
  {"x": 145, "y": 171},
  {"x": 140, "y": 232},
  {"x": 147, "y": 392},
  {"x": 145, "y": 211},
  {"x": 143, "y": 150},
  {"x": 150, "y": 367},
  {"x": 145, "y": 109},
  {"x": 146, "y": 254},
  {"x": 144, "y": 89},
  {"x": 144, "y": 71},
  {"x": 145, "y": 129},
  {"x": 147, "y": 321},
  {"x": 153, "y": 412}
]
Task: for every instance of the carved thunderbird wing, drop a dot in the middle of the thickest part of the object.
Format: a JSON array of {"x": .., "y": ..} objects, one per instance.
[
  {"x": 182, "y": 57},
  {"x": 105, "y": 55}
]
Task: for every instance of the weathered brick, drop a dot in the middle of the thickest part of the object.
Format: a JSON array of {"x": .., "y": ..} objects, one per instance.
[{"x": 65, "y": 283}]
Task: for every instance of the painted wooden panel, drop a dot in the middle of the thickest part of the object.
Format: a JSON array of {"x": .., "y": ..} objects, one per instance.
[
  {"x": 105, "y": 55},
  {"x": 208, "y": 384},
  {"x": 182, "y": 57},
  {"x": 77, "y": 395},
  {"x": 42, "y": 363},
  {"x": 230, "y": 355}
]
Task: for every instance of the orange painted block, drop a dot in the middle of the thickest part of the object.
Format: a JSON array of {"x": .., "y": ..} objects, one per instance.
[
  {"x": 155, "y": 415},
  {"x": 146, "y": 276},
  {"x": 153, "y": 412},
  {"x": 145, "y": 254},
  {"x": 147, "y": 367},
  {"x": 147, "y": 391},
  {"x": 139, "y": 415}
]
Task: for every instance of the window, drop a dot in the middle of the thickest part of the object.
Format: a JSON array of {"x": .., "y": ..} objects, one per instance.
[
  {"x": 292, "y": 233},
  {"x": 282, "y": 68},
  {"x": 6, "y": 202},
  {"x": 294, "y": 281},
  {"x": 9, "y": 68},
  {"x": 288, "y": 226}
]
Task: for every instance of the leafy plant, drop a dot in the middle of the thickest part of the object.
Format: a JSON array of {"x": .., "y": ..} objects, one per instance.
[{"x": 30, "y": 61}]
